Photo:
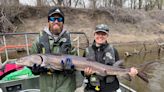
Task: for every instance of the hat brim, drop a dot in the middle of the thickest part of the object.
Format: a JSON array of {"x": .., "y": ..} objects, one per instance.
[
  {"x": 101, "y": 31},
  {"x": 55, "y": 13}
]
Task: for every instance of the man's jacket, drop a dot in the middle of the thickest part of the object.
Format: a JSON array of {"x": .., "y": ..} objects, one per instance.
[{"x": 48, "y": 43}]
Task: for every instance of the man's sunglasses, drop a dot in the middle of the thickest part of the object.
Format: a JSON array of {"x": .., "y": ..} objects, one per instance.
[{"x": 52, "y": 19}]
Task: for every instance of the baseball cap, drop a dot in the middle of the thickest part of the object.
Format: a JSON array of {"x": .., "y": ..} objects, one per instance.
[
  {"x": 102, "y": 28},
  {"x": 55, "y": 10}
]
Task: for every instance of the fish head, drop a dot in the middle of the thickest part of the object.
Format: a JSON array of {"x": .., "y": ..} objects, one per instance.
[{"x": 29, "y": 60}]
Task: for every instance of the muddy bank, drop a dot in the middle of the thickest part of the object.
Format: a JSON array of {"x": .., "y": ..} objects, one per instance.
[{"x": 126, "y": 25}]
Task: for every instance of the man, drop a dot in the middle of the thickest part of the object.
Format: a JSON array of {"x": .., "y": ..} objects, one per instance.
[
  {"x": 54, "y": 40},
  {"x": 102, "y": 52}
]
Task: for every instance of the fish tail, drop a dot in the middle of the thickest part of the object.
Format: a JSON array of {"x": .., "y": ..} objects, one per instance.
[
  {"x": 142, "y": 73},
  {"x": 143, "y": 76}
]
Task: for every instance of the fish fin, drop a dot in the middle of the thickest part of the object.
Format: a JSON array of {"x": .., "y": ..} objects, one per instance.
[{"x": 118, "y": 63}]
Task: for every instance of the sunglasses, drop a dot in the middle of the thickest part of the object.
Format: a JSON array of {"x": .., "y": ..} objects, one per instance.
[{"x": 52, "y": 19}]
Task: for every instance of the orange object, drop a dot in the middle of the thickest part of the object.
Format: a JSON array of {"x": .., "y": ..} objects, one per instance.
[{"x": 13, "y": 46}]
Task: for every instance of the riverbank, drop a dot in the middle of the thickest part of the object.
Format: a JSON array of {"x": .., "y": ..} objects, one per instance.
[{"x": 125, "y": 25}]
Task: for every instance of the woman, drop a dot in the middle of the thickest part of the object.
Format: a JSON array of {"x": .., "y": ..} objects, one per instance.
[{"x": 102, "y": 52}]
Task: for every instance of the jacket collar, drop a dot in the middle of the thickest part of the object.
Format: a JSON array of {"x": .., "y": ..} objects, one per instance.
[
  {"x": 51, "y": 36},
  {"x": 101, "y": 47}
]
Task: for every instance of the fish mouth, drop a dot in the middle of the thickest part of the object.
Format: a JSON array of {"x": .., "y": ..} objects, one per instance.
[
  {"x": 19, "y": 60},
  {"x": 38, "y": 57}
]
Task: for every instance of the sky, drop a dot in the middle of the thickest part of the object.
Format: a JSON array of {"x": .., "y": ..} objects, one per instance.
[
  {"x": 28, "y": 2},
  {"x": 33, "y": 2}
]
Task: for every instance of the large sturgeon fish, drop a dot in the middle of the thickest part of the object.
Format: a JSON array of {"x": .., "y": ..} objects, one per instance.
[{"x": 80, "y": 63}]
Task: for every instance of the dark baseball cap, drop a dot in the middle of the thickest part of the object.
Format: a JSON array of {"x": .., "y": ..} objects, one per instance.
[
  {"x": 102, "y": 28},
  {"x": 55, "y": 10}
]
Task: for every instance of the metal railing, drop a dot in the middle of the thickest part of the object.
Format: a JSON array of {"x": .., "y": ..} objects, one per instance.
[
  {"x": 9, "y": 34},
  {"x": 5, "y": 46}
]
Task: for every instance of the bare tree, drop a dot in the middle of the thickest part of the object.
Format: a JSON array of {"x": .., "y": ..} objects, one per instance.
[
  {"x": 54, "y": 2},
  {"x": 107, "y": 3},
  {"x": 160, "y": 4},
  {"x": 134, "y": 4},
  {"x": 150, "y": 4},
  {"x": 76, "y": 2},
  {"x": 9, "y": 2},
  {"x": 84, "y": 3},
  {"x": 39, "y": 3},
  {"x": 15, "y": 2},
  {"x": 70, "y": 2},
  {"x": 131, "y": 4},
  {"x": 3, "y": 2},
  {"x": 117, "y": 3},
  {"x": 60, "y": 2},
  {"x": 93, "y": 4},
  {"x": 140, "y": 4}
]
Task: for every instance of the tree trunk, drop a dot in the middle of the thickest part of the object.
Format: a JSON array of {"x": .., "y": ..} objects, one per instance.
[
  {"x": 10, "y": 2},
  {"x": 140, "y": 4},
  {"x": 117, "y": 3},
  {"x": 39, "y": 2},
  {"x": 84, "y": 3},
  {"x": 121, "y": 3},
  {"x": 76, "y": 3},
  {"x": 60, "y": 2},
  {"x": 131, "y": 4},
  {"x": 110, "y": 2},
  {"x": 94, "y": 4},
  {"x": 14, "y": 2},
  {"x": 54, "y": 2},
  {"x": 70, "y": 3},
  {"x": 134, "y": 4},
  {"x": 3, "y": 2},
  {"x": 160, "y": 3}
]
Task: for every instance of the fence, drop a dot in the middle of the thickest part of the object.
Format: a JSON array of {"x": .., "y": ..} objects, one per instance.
[{"x": 4, "y": 46}]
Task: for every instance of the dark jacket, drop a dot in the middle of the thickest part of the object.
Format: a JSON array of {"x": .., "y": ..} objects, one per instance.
[
  {"x": 46, "y": 43},
  {"x": 104, "y": 54}
]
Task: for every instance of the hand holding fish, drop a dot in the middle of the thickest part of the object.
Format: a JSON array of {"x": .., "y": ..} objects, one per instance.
[
  {"x": 133, "y": 71},
  {"x": 37, "y": 69},
  {"x": 88, "y": 71},
  {"x": 67, "y": 66}
]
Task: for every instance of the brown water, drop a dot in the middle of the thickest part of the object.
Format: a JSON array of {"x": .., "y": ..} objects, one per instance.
[{"x": 156, "y": 80}]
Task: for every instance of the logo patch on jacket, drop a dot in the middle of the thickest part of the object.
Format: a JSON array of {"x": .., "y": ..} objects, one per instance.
[
  {"x": 63, "y": 40},
  {"x": 109, "y": 55}
]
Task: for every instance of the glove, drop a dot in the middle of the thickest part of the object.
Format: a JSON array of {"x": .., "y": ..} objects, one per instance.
[
  {"x": 68, "y": 66},
  {"x": 37, "y": 69}
]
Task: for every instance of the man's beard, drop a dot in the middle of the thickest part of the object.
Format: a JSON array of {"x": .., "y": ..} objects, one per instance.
[{"x": 56, "y": 31}]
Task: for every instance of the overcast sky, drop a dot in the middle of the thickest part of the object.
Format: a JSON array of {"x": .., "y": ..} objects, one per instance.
[
  {"x": 33, "y": 2},
  {"x": 28, "y": 2}
]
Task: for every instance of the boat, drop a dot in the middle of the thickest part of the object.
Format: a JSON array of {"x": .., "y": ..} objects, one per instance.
[{"x": 31, "y": 84}]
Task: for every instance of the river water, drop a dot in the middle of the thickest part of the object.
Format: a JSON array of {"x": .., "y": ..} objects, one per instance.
[{"x": 138, "y": 55}]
